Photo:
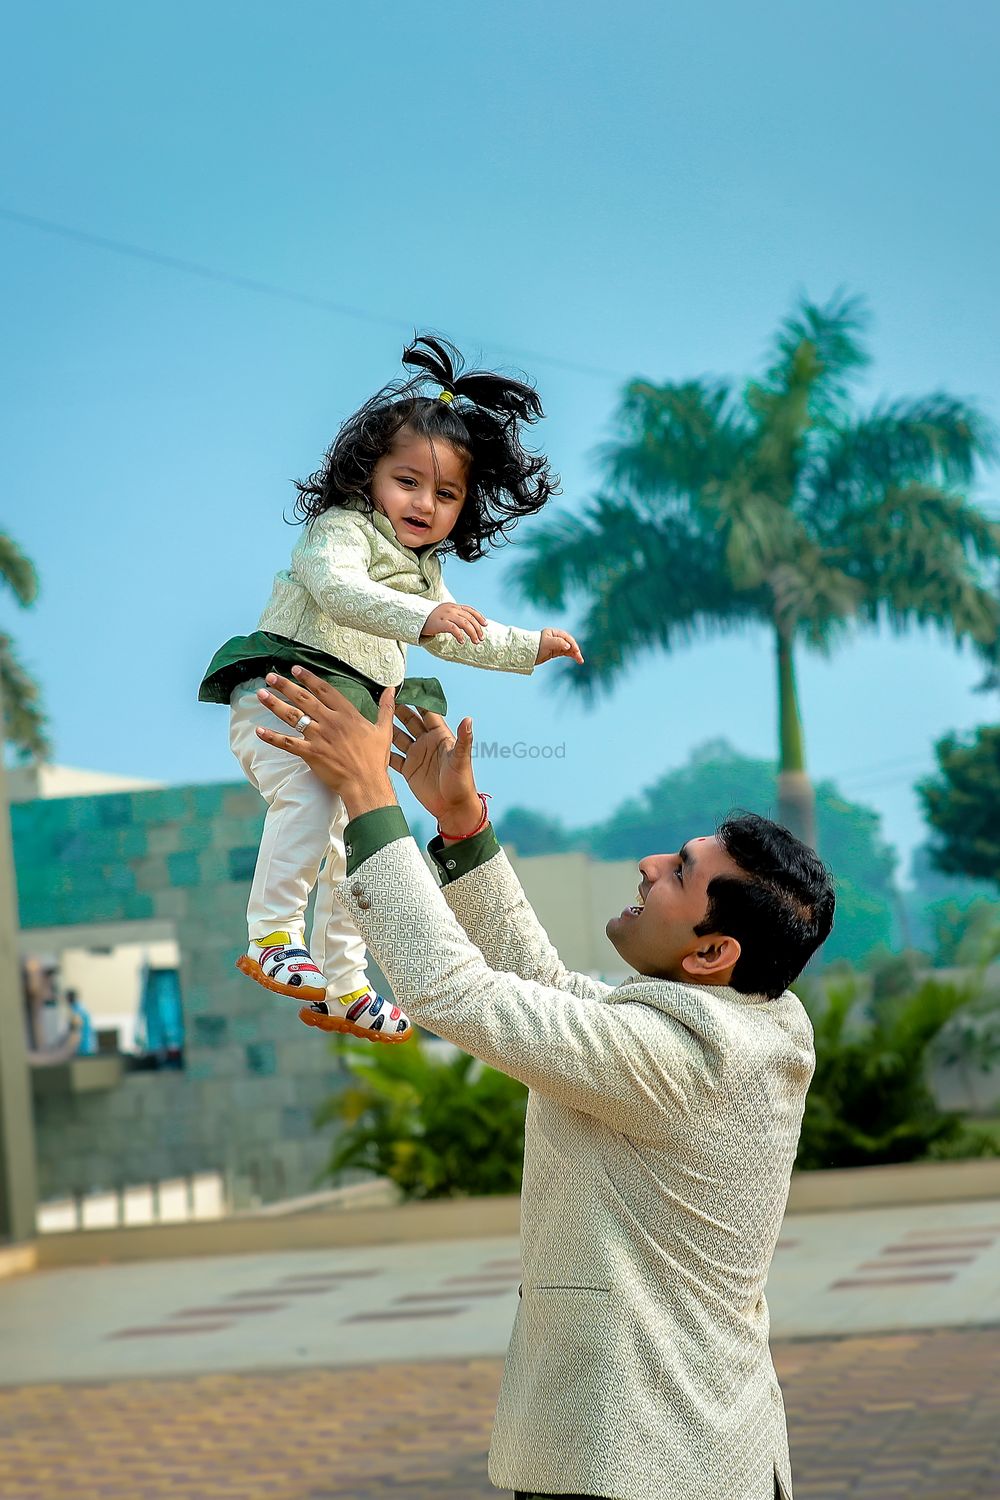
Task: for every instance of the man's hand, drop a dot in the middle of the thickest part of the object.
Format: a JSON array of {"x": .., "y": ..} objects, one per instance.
[
  {"x": 347, "y": 752},
  {"x": 555, "y": 643},
  {"x": 437, "y": 766},
  {"x": 459, "y": 620}
]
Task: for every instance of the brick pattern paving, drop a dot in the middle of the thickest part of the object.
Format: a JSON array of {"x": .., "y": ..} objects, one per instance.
[
  {"x": 924, "y": 1255},
  {"x": 899, "y": 1417},
  {"x": 455, "y": 1293}
]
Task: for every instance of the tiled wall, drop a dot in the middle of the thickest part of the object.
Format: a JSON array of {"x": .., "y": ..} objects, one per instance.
[{"x": 253, "y": 1074}]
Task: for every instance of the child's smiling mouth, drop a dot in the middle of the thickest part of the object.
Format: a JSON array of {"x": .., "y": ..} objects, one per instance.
[{"x": 416, "y": 523}]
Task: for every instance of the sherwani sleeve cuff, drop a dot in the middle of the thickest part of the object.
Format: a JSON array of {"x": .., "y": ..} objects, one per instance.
[
  {"x": 455, "y": 860},
  {"x": 367, "y": 834}
]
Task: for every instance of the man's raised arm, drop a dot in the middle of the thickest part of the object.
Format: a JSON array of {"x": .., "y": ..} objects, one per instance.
[
  {"x": 602, "y": 1059},
  {"x": 350, "y": 754}
]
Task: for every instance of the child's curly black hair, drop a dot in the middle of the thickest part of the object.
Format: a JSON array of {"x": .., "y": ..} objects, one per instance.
[{"x": 482, "y": 421}]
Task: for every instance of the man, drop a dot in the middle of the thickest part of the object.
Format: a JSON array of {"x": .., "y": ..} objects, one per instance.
[{"x": 663, "y": 1116}]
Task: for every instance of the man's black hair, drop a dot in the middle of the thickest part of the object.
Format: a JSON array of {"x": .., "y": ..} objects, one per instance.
[{"x": 779, "y": 911}]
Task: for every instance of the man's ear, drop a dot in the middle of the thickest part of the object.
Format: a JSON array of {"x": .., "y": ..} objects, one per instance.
[{"x": 714, "y": 956}]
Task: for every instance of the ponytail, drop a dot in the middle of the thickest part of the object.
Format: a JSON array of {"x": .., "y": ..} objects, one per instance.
[
  {"x": 441, "y": 361},
  {"x": 481, "y": 417}
]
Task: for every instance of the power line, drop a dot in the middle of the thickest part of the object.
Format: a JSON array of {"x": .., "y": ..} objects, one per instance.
[
  {"x": 271, "y": 289},
  {"x": 899, "y": 764}
]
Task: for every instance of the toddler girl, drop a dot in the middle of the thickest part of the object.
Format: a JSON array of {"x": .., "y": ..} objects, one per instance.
[{"x": 410, "y": 477}]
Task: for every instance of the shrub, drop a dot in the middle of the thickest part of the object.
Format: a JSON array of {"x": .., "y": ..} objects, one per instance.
[
  {"x": 966, "y": 934},
  {"x": 870, "y": 1101},
  {"x": 437, "y": 1125}
]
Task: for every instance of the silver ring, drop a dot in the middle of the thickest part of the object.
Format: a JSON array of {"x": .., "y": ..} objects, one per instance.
[{"x": 302, "y": 723}]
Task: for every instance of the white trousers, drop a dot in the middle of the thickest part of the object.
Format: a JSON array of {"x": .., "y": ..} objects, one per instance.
[{"x": 302, "y": 847}]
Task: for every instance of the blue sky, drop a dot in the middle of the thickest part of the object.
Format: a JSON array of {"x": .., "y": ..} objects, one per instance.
[{"x": 636, "y": 189}]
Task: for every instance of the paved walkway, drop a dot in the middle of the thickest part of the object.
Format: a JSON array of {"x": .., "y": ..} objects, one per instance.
[
  {"x": 245, "y": 1376},
  {"x": 872, "y": 1271},
  {"x": 900, "y": 1417}
]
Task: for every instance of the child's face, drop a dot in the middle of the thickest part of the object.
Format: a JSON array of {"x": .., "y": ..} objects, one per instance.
[{"x": 420, "y": 486}]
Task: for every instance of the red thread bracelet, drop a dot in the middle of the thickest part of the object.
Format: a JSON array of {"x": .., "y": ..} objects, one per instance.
[{"x": 457, "y": 838}]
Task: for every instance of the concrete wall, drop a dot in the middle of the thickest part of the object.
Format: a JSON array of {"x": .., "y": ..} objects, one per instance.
[
  {"x": 574, "y": 896},
  {"x": 137, "y": 865},
  {"x": 253, "y": 1074}
]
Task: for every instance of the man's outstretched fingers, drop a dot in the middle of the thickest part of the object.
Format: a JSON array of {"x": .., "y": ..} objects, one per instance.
[
  {"x": 287, "y": 712},
  {"x": 293, "y": 743},
  {"x": 463, "y": 742},
  {"x": 316, "y": 685},
  {"x": 312, "y": 690},
  {"x": 293, "y": 690},
  {"x": 386, "y": 707},
  {"x": 409, "y": 717}
]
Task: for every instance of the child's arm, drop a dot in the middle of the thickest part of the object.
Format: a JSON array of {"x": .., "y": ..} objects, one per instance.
[
  {"x": 333, "y": 562},
  {"x": 456, "y": 632}
]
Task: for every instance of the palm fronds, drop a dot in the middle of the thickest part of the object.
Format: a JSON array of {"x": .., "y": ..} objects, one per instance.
[
  {"x": 17, "y": 572},
  {"x": 25, "y": 724}
]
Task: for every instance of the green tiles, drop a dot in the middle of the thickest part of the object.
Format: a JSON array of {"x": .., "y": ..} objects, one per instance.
[
  {"x": 183, "y": 868},
  {"x": 107, "y": 858}
]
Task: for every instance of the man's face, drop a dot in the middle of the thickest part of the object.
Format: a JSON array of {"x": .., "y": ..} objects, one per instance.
[
  {"x": 420, "y": 485},
  {"x": 657, "y": 937}
]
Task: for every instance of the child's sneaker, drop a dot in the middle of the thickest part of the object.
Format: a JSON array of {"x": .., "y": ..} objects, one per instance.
[
  {"x": 366, "y": 1015},
  {"x": 280, "y": 963}
]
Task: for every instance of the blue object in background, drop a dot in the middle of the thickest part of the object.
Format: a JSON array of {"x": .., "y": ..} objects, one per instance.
[
  {"x": 88, "y": 1037},
  {"x": 161, "y": 1019}
]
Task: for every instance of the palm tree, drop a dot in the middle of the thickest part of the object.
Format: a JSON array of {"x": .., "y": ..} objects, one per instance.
[
  {"x": 24, "y": 722},
  {"x": 777, "y": 504}
]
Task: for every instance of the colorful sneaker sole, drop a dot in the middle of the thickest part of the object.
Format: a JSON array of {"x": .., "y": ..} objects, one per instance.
[
  {"x": 253, "y": 970},
  {"x": 342, "y": 1024}
]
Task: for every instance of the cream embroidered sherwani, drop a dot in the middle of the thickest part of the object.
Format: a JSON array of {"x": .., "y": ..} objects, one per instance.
[{"x": 662, "y": 1125}]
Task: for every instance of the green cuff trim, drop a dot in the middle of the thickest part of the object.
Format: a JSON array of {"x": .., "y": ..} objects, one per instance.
[
  {"x": 371, "y": 832},
  {"x": 455, "y": 860}
]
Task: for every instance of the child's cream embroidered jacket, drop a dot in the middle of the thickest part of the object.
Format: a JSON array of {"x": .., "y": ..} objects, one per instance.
[{"x": 357, "y": 593}]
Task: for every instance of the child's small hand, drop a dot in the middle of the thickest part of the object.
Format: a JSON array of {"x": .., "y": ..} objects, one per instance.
[
  {"x": 556, "y": 643},
  {"x": 459, "y": 620}
]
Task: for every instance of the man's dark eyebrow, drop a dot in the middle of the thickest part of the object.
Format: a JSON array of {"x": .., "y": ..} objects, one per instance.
[{"x": 686, "y": 857}]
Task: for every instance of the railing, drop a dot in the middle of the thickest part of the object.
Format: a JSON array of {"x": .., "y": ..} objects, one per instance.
[
  {"x": 176, "y": 1200},
  {"x": 205, "y": 1195}
]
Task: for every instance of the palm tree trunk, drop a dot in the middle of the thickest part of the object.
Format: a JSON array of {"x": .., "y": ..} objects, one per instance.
[{"x": 796, "y": 797}]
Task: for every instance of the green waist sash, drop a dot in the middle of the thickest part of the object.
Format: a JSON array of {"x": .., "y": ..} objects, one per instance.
[{"x": 245, "y": 657}]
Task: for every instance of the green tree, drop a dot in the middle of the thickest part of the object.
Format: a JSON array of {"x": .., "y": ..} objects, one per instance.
[
  {"x": 962, "y": 804},
  {"x": 25, "y": 724},
  {"x": 530, "y": 832},
  {"x": 870, "y": 1100},
  {"x": 716, "y": 779},
  {"x": 779, "y": 504},
  {"x": 939, "y": 907}
]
